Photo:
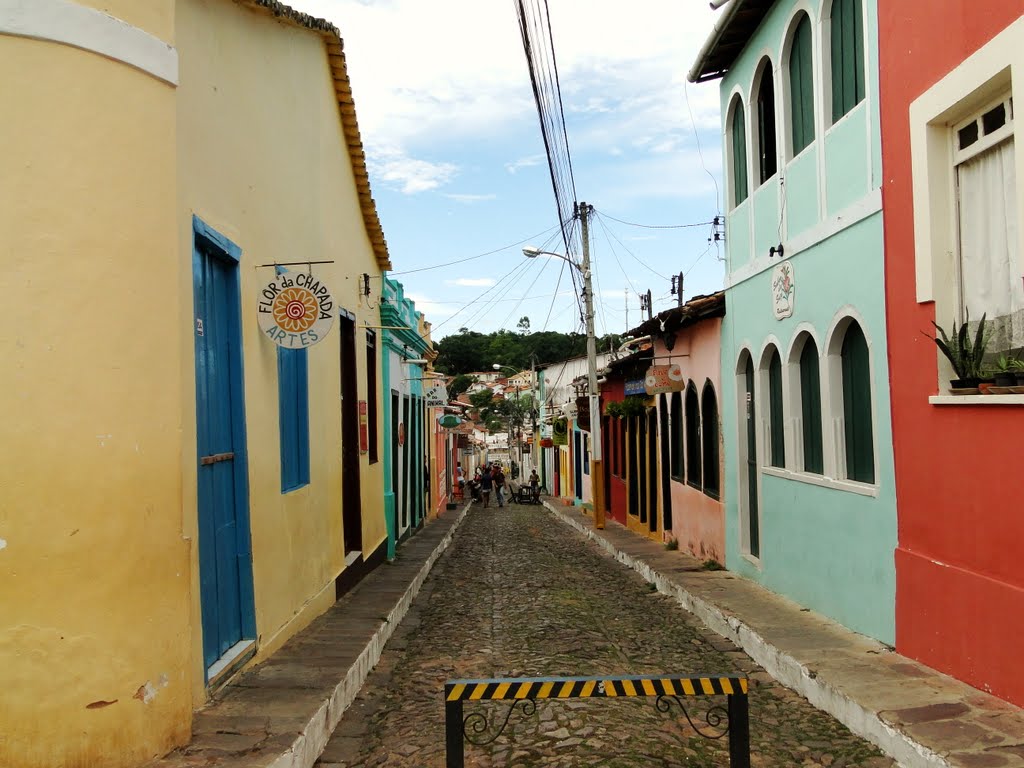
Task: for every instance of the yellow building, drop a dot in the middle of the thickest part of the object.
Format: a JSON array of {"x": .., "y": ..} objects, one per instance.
[{"x": 175, "y": 486}]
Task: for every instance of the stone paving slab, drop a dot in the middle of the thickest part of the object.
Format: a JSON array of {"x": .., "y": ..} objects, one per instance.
[
  {"x": 920, "y": 717},
  {"x": 281, "y": 713}
]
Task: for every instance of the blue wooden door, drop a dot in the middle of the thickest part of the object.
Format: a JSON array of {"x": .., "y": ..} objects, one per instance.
[{"x": 225, "y": 564}]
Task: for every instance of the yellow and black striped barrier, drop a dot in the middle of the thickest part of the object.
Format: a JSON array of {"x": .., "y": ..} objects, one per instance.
[{"x": 527, "y": 690}]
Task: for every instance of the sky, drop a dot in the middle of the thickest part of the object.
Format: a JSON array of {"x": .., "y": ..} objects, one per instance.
[{"x": 457, "y": 165}]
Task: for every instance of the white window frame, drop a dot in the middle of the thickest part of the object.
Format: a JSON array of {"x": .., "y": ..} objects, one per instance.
[
  {"x": 761, "y": 71},
  {"x": 981, "y": 79}
]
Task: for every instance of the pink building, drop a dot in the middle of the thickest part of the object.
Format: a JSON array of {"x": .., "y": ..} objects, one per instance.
[{"x": 684, "y": 386}]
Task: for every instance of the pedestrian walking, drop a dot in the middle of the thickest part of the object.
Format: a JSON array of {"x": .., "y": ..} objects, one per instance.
[
  {"x": 498, "y": 478},
  {"x": 486, "y": 481},
  {"x": 535, "y": 486}
]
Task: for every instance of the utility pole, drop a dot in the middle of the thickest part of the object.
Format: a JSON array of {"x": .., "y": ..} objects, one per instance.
[{"x": 596, "y": 472}]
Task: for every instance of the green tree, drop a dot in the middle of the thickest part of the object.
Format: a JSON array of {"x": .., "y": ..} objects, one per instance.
[
  {"x": 460, "y": 384},
  {"x": 524, "y": 325}
]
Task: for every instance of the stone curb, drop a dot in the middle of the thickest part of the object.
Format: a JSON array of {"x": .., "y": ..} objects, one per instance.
[
  {"x": 312, "y": 739},
  {"x": 776, "y": 661}
]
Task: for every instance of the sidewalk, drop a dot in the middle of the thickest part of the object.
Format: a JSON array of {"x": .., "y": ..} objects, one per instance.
[
  {"x": 916, "y": 715},
  {"x": 281, "y": 713}
]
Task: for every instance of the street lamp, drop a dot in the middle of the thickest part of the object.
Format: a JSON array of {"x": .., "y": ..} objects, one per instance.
[{"x": 596, "y": 472}]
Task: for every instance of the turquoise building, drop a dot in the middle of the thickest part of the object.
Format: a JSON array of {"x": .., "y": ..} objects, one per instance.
[
  {"x": 407, "y": 425},
  {"x": 810, "y": 496}
]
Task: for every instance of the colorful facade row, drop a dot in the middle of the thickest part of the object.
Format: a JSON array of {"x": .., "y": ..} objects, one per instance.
[
  {"x": 197, "y": 468},
  {"x": 855, "y": 476},
  {"x": 871, "y": 191}
]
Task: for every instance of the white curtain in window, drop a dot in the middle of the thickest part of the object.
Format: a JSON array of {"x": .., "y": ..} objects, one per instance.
[{"x": 990, "y": 273}]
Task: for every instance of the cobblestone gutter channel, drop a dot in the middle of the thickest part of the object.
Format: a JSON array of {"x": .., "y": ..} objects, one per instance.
[
  {"x": 522, "y": 595},
  {"x": 777, "y": 662}
]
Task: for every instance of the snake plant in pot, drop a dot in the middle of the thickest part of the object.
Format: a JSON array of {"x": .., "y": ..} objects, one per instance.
[{"x": 964, "y": 352}]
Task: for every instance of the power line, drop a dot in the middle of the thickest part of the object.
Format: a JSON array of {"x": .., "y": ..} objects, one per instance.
[
  {"x": 479, "y": 256},
  {"x": 539, "y": 48},
  {"x": 639, "y": 261},
  {"x": 658, "y": 226},
  {"x": 700, "y": 153}
]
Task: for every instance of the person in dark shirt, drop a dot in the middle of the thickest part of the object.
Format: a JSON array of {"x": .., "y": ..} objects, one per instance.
[
  {"x": 498, "y": 478},
  {"x": 486, "y": 482},
  {"x": 535, "y": 486}
]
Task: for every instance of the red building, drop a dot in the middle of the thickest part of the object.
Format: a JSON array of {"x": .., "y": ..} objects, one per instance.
[{"x": 953, "y": 246}]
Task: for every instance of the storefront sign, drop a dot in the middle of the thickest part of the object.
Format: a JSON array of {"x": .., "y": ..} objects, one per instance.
[
  {"x": 449, "y": 421},
  {"x": 783, "y": 290},
  {"x": 364, "y": 435},
  {"x": 635, "y": 387},
  {"x": 437, "y": 396},
  {"x": 664, "y": 378},
  {"x": 560, "y": 432},
  {"x": 295, "y": 310}
]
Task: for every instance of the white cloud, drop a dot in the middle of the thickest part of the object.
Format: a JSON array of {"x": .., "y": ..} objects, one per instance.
[
  {"x": 525, "y": 162},
  {"x": 466, "y": 198},
  {"x": 472, "y": 282},
  {"x": 428, "y": 77},
  {"x": 411, "y": 175}
]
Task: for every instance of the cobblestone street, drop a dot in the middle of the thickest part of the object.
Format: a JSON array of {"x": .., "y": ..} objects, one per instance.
[{"x": 520, "y": 594}]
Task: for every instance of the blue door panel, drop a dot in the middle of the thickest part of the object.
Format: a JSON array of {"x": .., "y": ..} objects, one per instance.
[{"x": 225, "y": 574}]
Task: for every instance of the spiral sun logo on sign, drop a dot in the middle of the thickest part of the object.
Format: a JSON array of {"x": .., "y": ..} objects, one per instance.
[{"x": 295, "y": 310}]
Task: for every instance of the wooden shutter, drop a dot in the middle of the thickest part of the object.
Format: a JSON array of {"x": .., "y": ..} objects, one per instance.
[
  {"x": 810, "y": 405},
  {"x": 693, "y": 437},
  {"x": 860, "y": 450},
  {"x": 767, "y": 151},
  {"x": 709, "y": 435},
  {"x": 775, "y": 413},
  {"x": 676, "y": 437},
  {"x": 293, "y": 416},
  {"x": 847, "y": 36},
  {"x": 801, "y": 86},
  {"x": 739, "y": 155}
]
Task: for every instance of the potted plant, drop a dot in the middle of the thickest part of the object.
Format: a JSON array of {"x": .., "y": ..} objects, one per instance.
[
  {"x": 1006, "y": 371},
  {"x": 965, "y": 354},
  {"x": 1018, "y": 369}
]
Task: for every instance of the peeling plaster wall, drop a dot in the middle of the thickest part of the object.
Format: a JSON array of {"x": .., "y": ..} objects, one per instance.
[{"x": 94, "y": 574}]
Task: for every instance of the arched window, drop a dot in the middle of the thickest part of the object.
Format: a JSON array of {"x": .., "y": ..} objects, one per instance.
[
  {"x": 847, "y": 55},
  {"x": 676, "y": 437},
  {"x": 801, "y": 86},
  {"x": 860, "y": 449},
  {"x": 692, "y": 437},
  {"x": 738, "y": 140},
  {"x": 766, "y": 145},
  {"x": 810, "y": 407},
  {"x": 709, "y": 435},
  {"x": 776, "y": 425}
]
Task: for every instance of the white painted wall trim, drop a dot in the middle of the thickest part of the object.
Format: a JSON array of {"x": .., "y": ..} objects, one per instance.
[
  {"x": 867, "y": 206},
  {"x": 67, "y": 23}
]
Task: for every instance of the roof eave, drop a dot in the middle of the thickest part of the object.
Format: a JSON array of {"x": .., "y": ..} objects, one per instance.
[
  {"x": 697, "y": 73},
  {"x": 347, "y": 113}
]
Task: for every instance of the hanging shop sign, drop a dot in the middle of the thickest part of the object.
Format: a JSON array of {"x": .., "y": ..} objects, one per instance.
[
  {"x": 449, "y": 421},
  {"x": 437, "y": 396},
  {"x": 295, "y": 310},
  {"x": 783, "y": 290},
  {"x": 560, "y": 432},
  {"x": 635, "y": 387},
  {"x": 664, "y": 378}
]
